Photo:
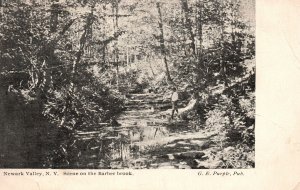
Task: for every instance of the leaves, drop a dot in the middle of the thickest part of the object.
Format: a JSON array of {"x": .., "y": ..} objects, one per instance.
[{"x": 76, "y": 58}]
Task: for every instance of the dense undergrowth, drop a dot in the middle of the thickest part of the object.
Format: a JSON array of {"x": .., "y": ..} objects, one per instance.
[
  {"x": 232, "y": 118},
  {"x": 48, "y": 88},
  {"x": 62, "y": 71},
  {"x": 228, "y": 114}
]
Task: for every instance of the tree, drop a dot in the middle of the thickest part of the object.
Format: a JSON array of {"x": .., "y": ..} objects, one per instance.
[
  {"x": 162, "y": 42},
  {"x": 188, "y": 22}
]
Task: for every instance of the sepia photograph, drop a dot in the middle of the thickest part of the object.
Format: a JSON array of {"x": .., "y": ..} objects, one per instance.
[{"x": 127, "y": 84}]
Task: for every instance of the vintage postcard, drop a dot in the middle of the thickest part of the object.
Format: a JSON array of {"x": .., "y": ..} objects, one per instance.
[{"x": 149, "y": 94}]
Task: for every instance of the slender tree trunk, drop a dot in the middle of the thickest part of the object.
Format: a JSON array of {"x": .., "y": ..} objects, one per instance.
[
  {"x": 82, "y": 45},
  {"x": 200, "y": 35},
  {"x": 48, "y": 60},
  {"x": 200, "y": 31},
  {"x": 53, "y": 28},
  {"x": 117, "y": 49},
  {"x": 182, "y": 18},
  {"x": 162, "y": 42},
  {"x": 83, "y": 40},
  {"x": 185, "y": 8},
  {"x": 222, "y": 62},
  {"x": 115, "y": 12},
  {"x": 103, "y": 65}
]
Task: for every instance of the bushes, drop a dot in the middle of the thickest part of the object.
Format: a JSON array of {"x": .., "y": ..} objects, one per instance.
[
  {"x": 232, "y": 118},
  {"x": 52, "y": 90},
  {"x": 89, "y": 105}
]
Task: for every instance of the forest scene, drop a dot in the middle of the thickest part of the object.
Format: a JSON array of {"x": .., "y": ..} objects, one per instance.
[{"x": 127, "y": 84}]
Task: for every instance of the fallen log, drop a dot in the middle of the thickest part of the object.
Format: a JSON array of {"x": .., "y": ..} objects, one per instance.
[
  {"x": 191, "y": 105},
  {"x": 183, "y": 111}
]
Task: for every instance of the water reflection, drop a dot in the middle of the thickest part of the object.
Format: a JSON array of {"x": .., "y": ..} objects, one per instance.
[{"x": 124, "y": 147}]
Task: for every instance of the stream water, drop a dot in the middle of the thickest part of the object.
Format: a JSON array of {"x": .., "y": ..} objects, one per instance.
[{"x": 145, "y": 138}]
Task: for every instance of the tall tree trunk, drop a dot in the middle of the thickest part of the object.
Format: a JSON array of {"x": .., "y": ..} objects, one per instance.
[
  {"x": 200, "y": 31},
  {"x": 162, "y": 42},
  {"x": 115, "y": 9},
  {"x": 185, "y": 8},
  {"x": 201, "y": 73},
  {"x": 48, "y": 59},
  {"x": 222, "y": 62},
  {"x": 86, "y": 34}
]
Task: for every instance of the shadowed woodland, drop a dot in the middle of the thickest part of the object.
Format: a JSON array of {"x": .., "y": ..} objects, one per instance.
[{"x": 87, "y": 84}]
